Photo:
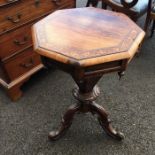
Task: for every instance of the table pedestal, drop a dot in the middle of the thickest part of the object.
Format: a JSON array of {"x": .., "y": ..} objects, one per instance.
[{"x": 86, "y": 93}]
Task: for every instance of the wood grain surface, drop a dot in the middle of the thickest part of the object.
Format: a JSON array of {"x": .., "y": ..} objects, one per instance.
[{"x": 87, "y": 36}]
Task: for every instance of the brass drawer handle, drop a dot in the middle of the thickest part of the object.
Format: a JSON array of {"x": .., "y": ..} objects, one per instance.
[
  {"x": 14, "y": 20},
  {"x": 37, "y": 2},
  {"x": 28, "y": 64},
  {"x": 22, "y": 42},
  {"x": 8, "y": 2},
  {"x": 57, "y": 2}
]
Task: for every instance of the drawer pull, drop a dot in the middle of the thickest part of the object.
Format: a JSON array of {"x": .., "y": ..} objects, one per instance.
[
  {"x": 57, "y": 2},
  {"x": 22, "y": 42},
  {"x": 37, "y": 2},
  {"x": 14, "y": 20},
  {"x": 8, "y": 2},
  {"x": 28, "y": 64}
]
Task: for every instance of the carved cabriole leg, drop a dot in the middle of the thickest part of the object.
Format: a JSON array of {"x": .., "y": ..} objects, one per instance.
[
  {"x": 88, "y": 105},
  {"x": 86, "y": 92},
  {"x": 105, "y": 121},
  {"x": 65, "y": 123}
]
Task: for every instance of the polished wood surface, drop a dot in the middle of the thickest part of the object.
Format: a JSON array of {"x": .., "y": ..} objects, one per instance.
[
  {"x": 21, "y": 12},
  {"x": 87, "y": 43},
  {"x": 125, "y": 7},
  {"x": 88, "y": 40},
  {"x": 18, "y": 61}
]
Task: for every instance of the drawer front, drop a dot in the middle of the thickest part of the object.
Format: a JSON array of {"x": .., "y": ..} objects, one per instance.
[
  {"x": 15, "y": 41},
  {"x": 22, "y": 63},
  {"x": 23, "y": 12}
]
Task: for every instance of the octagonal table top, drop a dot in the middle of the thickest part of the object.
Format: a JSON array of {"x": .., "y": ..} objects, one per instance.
[{"x": 86, "y": 36}]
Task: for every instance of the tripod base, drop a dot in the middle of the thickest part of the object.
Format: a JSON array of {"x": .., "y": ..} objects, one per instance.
[{"x": 86, "y": 104}]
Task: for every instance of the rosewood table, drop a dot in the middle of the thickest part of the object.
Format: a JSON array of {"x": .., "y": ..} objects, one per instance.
[{"x": 87, "y": 43}]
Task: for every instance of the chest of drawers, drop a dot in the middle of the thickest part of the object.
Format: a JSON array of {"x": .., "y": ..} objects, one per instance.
[{"x": 18, "y": 61}]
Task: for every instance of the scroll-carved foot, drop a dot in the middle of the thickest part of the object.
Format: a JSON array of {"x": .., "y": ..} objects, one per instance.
[
  {"x": 105, "y": 122},
  {"x": 107, "y": 127},
  {"x": 66, "y": 122}
]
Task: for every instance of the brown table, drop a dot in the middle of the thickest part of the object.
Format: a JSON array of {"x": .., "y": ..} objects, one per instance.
[{"x": 87, "y": 43}]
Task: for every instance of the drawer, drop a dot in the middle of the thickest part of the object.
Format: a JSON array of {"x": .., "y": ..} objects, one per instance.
[
  {"x": 21, "y": 63},
  {"x": 23, "y": 12},
  {"x": 14, "y": 41},
  {"x": 16, "y": 14}
]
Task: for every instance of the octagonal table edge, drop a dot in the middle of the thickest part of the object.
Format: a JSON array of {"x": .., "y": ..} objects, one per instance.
[
  {"x": 90, "y": 61},
  {"x": 137, "y": 43}
]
